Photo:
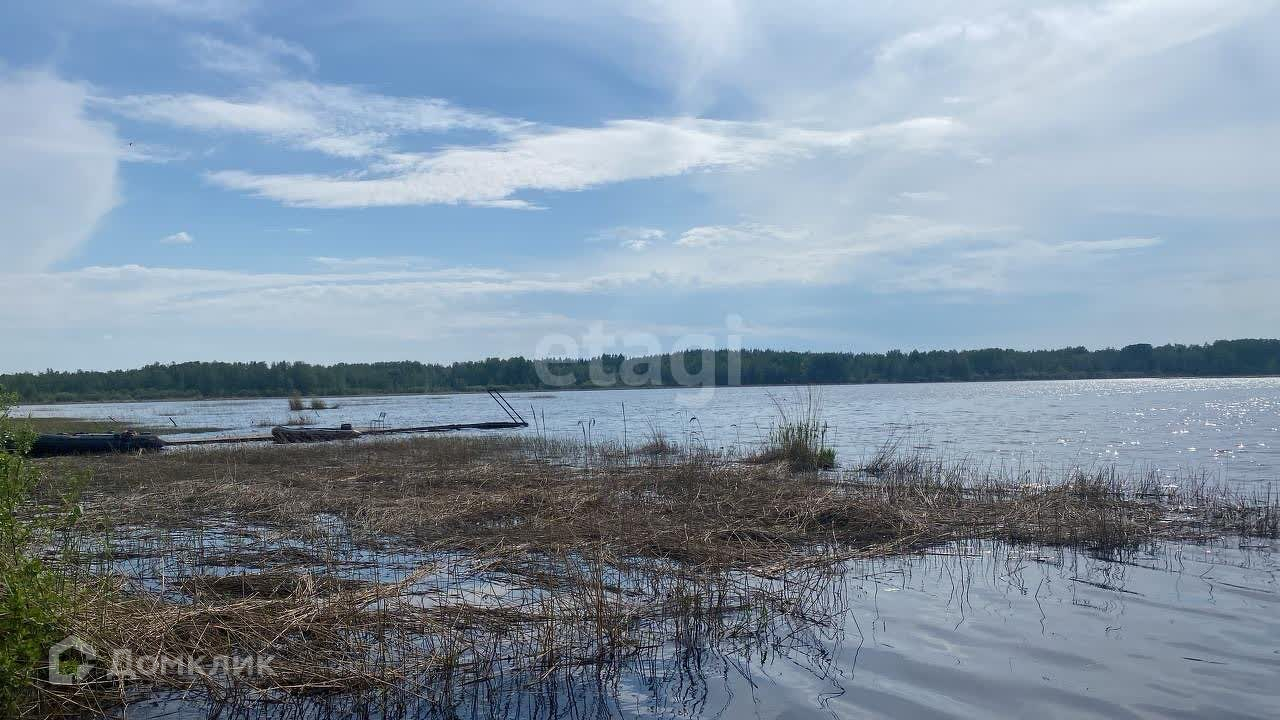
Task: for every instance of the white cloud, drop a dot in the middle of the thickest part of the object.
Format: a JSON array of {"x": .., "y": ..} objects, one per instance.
[
  {"x": 741, "y": 256},
  {"x": 909, "y": 148},
  {"x": 507, "y": 204},
  {"x": 924, "y": 196},
  {"x": 181, "y": 237},
  {"x": 631, "y": 238},
  {"x": 257, "y": 56},
  {"x": 59, "y": 175},
  {"x": 347, "y": 122},
  {"x": 450, "y": 314},
  {"x": 154, "y": 154},
  {"x": 1065, "y": 118},
  {"x": 201, "y": 112},
  {"x": 571, "y": 159},
  {"x": 1117, "y": 244},
  {"x": 402, "y": 262},
  {"x": 721, "y": 235},
  {"x": 1008, "y": 264},
  {"x": 336, "y": 120}
]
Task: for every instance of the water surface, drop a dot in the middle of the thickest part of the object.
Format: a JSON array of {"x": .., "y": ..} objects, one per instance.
[
  {"x": 970, "y": 630},
  {"x": 1229, "y": 427}
]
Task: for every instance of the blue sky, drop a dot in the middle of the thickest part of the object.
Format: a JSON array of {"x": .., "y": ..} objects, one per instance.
[{"x": 245, "y": 180}]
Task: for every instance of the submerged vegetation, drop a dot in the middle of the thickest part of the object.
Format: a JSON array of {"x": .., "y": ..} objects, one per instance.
[
  {"x": 445, "y": 566},
  {"x": 757, "y": 367}
]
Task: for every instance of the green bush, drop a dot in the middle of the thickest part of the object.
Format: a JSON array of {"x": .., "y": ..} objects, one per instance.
[{"x": 33, "y": 602}]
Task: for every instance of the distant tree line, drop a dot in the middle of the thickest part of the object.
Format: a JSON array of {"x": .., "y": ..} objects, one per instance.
[{"x": 754, "y": 367}]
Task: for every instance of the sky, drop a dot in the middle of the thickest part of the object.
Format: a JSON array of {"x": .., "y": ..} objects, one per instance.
[{"x": 439, "y": 181}]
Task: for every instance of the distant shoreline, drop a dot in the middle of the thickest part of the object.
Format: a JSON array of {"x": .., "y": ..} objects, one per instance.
[
  {"x": 215, "y": 380},
  {"x": 527, "y": 391}
]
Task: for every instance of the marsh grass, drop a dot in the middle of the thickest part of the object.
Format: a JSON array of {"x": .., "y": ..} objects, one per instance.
[
  {"x": 471, "y": 493},
  {"x": 800, "y": 436},
  {"x": 656, "y": 443},
  {"x": 296, "y": 403},
  {"x": 441, "y": 567}
]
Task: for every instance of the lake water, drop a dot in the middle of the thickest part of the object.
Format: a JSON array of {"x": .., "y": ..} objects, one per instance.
[
  {"x": 972, "y": 630},
  {"x": 969, "y": 630},
  {"x": 1228, "y": 427}
]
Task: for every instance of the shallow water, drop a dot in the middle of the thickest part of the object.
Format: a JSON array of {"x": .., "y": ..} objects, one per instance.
[
  {"x": 1227, "y": 427},
  {"x": 1179, "y": 631},
  {"x": 970, "y": 630}
]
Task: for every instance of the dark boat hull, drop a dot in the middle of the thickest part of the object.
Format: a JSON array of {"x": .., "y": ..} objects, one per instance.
[
  {"x": 94, "y": 443},
  {"x": 286, "y": 435}
]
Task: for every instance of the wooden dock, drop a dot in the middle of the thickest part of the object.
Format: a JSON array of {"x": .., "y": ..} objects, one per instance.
[
  {"x": 450, "y": 427},
  {"x": 516, "y": 421}
]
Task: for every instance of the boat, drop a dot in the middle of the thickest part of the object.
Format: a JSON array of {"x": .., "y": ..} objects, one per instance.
[
  {"x": 95, "y": 443},
  {"x": 284, "y": 435}
]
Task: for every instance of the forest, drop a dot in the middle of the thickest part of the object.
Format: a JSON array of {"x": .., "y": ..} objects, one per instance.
[{"x": 1222, "y": 358}]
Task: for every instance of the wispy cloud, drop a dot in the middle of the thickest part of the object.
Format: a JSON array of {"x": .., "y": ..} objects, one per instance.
[
  {"x": 924, "y": 196},
  {"x": 256, "y": 56},
  {"x": 572, "y": 159},
  {"x": 133, "y": 151},
  {"x": 337, "y": 120},
  {"x": 629, "y": 237},
  {"x": 181, "y": 237},
  {"x": 1114, "y": 245},
  {"x": 377, "y": 133},
  {"x": 402, "y": 262},
  {"x": 714, "y": 236}
]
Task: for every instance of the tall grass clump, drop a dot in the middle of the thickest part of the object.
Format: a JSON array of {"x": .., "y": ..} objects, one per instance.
[
  {"x": 800, "y": 437},
  {"x": 34, "y": 604},
  {"x": 318, "y": 404},
  {"x": 295, "y": 403}
]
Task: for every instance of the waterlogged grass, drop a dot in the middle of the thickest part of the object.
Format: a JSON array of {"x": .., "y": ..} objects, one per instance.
[
  {"x": 800, "y": 436},
  {"x": 298, "y": 404},
  {"x": 444, "y": 567}
]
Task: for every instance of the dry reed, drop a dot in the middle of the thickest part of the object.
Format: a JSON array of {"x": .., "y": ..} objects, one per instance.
[{"x": 429, "y": 565}]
